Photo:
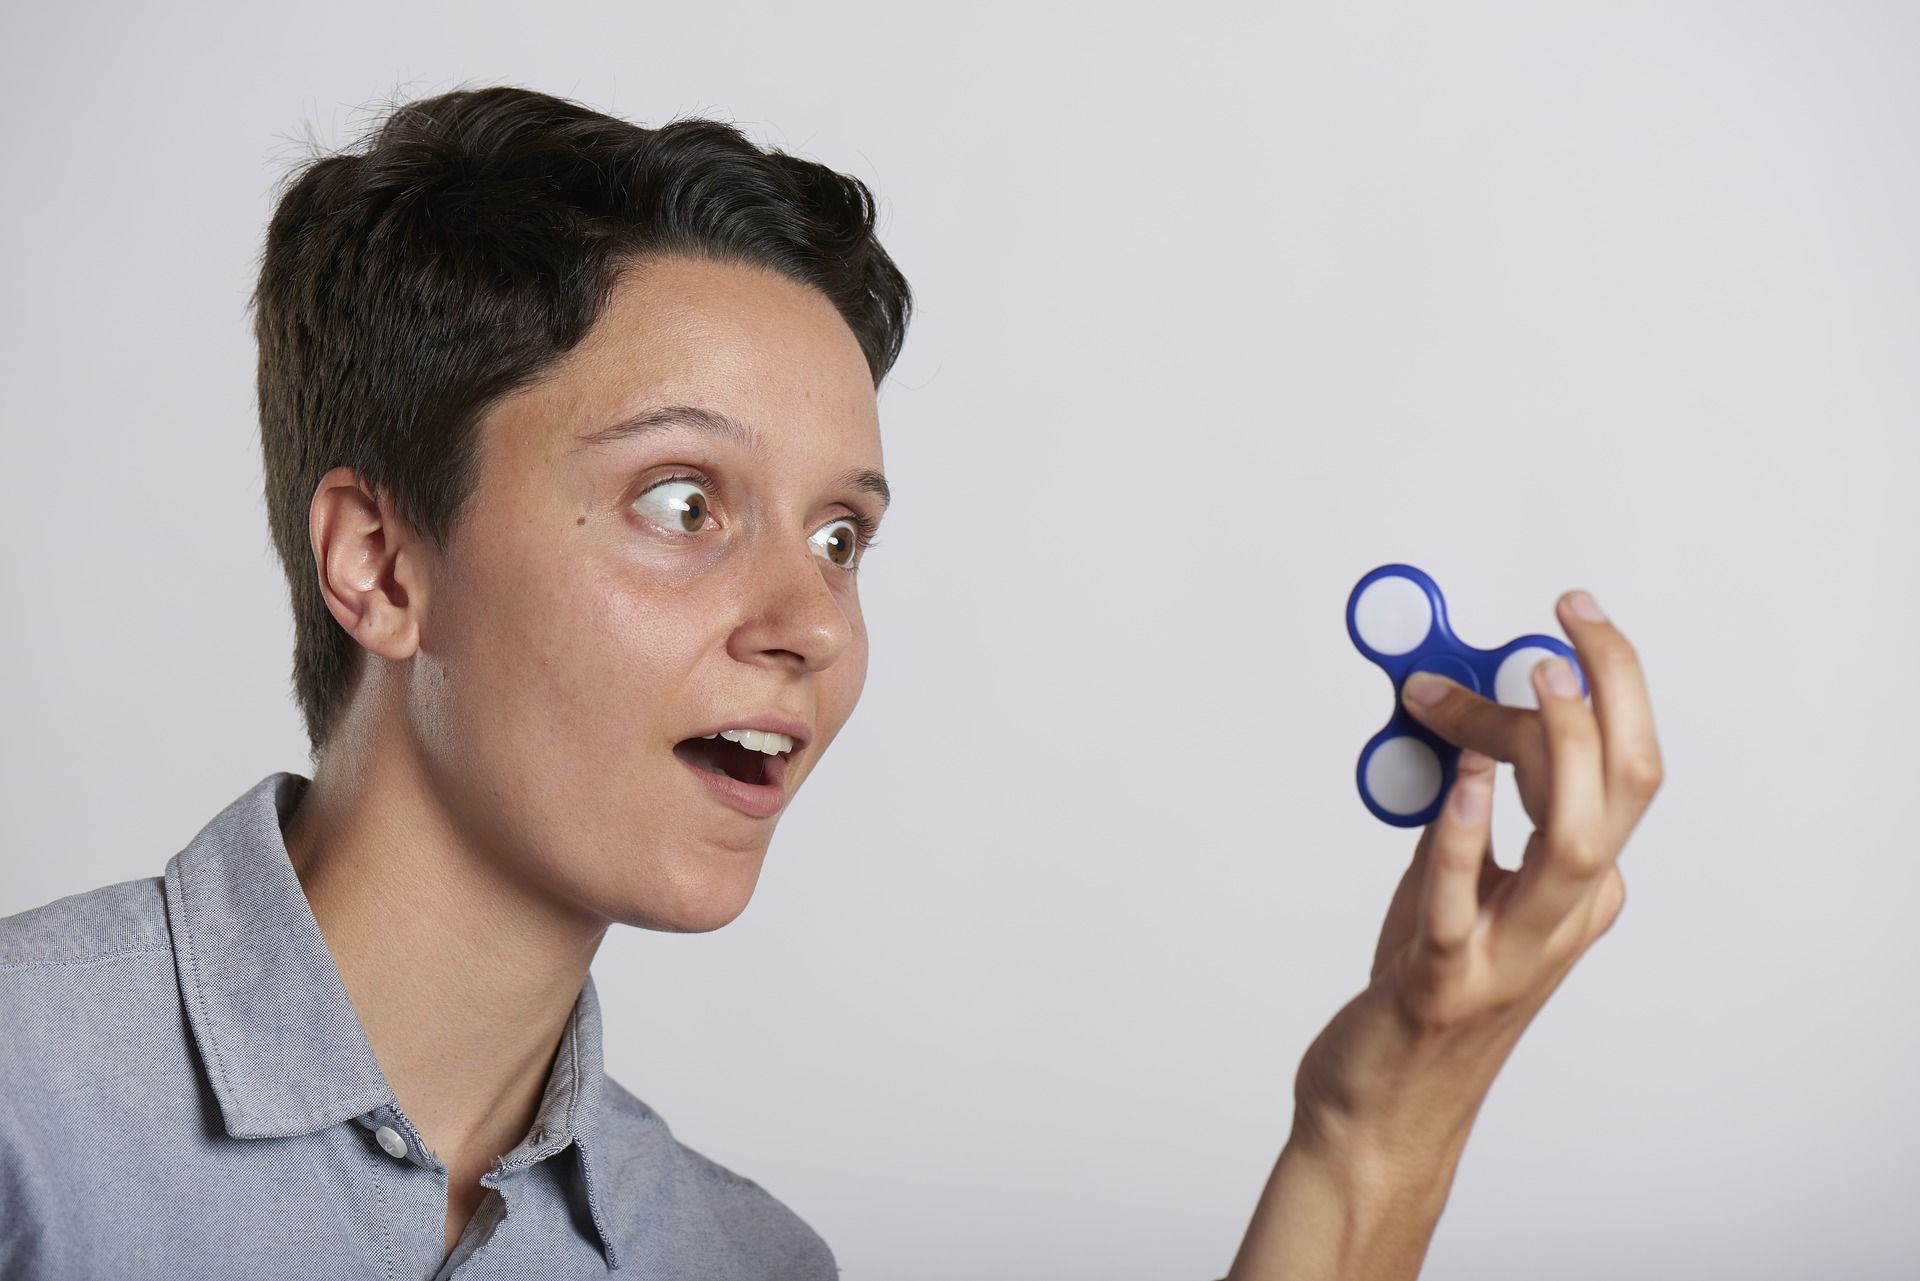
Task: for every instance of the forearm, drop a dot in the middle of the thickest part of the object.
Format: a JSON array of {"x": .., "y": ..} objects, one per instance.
[
  {"x": 1383, "y": 1106},
  {"x": 1328, "y": 1215}
]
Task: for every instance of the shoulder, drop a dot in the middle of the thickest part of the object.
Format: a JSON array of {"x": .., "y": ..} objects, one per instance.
[
  {"x": 765, "y": 1234},
  {"x": 90, "y": 1003},
  {"x": 121, "y": 920}
]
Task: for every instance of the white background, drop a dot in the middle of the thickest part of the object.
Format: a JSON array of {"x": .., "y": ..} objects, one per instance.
[{"x": 1220, "y": 306}]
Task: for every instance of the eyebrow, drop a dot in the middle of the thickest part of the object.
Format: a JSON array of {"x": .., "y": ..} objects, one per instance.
[
  {"x": 714, "y": 423},
  {"x": 647, "y": 421}
]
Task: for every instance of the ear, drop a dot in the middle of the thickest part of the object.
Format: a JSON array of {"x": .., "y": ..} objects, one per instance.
[{"x": 372, "y": 570}]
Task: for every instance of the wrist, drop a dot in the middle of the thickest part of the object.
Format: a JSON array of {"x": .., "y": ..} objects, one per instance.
[{"x": 1382, "y": 1096}]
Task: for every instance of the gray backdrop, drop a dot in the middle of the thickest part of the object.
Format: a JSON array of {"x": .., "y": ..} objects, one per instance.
[{"x": 1220, "y": 308}]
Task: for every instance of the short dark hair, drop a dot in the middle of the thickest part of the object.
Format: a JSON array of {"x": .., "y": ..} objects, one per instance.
[{"x": 462, "y": 246}]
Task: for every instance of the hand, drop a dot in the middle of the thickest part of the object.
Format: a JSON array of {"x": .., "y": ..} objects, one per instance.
[{"x": 1471, "y": 951}]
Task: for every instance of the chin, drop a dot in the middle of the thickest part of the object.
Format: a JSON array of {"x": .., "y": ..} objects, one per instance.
[
  {"x": 698, "y": 900},
  {"x": 697, "y": 919}
]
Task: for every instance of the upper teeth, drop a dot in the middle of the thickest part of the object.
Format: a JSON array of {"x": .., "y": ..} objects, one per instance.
[{"x": 759, "y": 740}]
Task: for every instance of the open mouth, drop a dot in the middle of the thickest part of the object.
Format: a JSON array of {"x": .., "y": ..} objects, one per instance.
[{"x": 723, "y": 756}]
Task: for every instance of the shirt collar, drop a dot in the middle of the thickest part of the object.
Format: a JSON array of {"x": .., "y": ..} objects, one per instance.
[{"x": 278, "y": 1036}]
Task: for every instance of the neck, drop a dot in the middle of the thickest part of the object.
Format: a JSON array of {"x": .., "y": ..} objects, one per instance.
[{"x": 462, "y": 974}]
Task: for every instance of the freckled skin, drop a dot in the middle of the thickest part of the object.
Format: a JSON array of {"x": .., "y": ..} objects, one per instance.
[
  {"x": 555, "y": 671},
  {"x": 501, "y": 785}
]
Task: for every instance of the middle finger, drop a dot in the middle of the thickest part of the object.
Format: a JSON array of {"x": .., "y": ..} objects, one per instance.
[{"x": 1578, "y": 843}]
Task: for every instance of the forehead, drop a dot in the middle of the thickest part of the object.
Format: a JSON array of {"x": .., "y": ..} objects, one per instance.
[{"x": 736, "y": 338}]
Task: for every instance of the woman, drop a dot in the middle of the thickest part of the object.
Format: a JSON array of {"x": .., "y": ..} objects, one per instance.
[{"x": 572, "y": 458}]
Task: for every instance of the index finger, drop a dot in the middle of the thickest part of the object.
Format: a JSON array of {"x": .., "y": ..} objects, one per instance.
[{"x": 1469, "y": 720}]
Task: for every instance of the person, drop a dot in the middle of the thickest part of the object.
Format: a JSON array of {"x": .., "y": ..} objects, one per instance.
[{"x": 572, "y": 459}]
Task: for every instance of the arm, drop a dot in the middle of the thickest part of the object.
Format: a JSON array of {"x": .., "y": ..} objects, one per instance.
[
  {"x": 1386, "y": 1095},
  {"x": 1320, "y": 1217},
  {"x": 1349, "y": 1200}
]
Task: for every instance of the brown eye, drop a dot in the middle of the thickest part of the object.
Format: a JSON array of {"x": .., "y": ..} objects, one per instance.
[
  {"x": 676, "y": 504},
  {"x": 838, "y": 542}
]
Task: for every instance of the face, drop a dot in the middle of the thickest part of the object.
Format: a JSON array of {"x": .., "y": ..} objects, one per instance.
[{"x": 664, "y": 543}]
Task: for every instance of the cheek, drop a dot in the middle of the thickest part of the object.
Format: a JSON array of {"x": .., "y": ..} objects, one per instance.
[{"x": 567, "y": 657}]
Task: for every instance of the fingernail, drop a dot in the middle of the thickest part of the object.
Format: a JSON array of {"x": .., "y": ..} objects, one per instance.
[
  {"x": 1582, "y": 605},
  {"x": 1471, "y": 799},
  {"x": 1559, "y": 677},
  {"x": 1426, "y": 690}
]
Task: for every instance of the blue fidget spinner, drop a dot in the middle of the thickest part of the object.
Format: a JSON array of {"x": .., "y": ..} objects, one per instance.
[{"x": 1398, "y": 620}]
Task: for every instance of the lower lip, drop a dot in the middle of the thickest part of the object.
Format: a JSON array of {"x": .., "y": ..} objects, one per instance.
[{"x": 756, "y": 800}]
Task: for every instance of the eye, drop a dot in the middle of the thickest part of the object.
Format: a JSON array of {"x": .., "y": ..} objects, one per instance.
[
  {"x": 679, "y": 502},
  {"x": 841, "y": 542}
]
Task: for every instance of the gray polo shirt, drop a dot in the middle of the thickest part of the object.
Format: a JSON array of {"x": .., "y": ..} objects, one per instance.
[{"x": 188, "y": 1093}]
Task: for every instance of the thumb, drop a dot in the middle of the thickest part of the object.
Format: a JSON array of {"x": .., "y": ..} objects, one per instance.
[{"x": 1460, "y": 836}]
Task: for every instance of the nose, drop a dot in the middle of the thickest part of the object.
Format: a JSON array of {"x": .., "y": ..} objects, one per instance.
[{"x": 795, "y": 613}]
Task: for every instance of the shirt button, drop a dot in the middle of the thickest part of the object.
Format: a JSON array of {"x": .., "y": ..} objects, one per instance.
[{"x": 390, "y": 1140}]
